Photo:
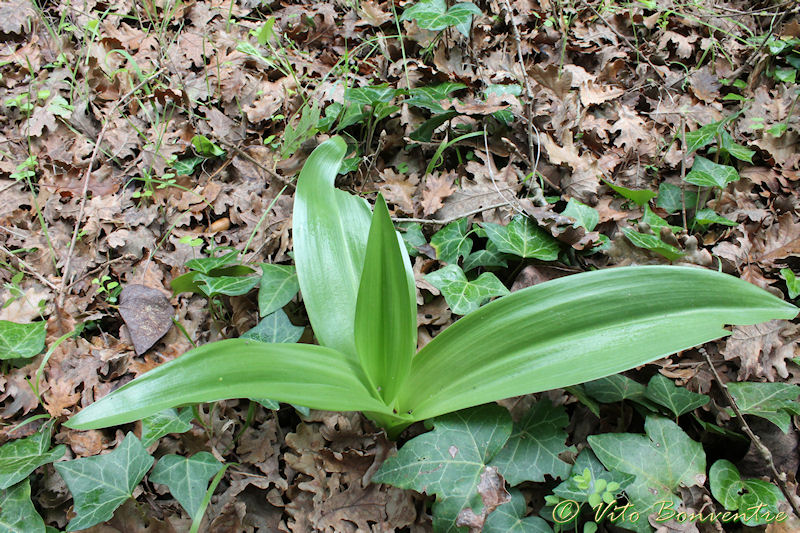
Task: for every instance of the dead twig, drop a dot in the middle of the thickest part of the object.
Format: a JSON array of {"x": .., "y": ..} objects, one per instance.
[
  {"x": 22, "y": 265},
  {"x": 780, "y": 477},
  {"x": 272, "y": 173},
  {"x": 68, "y": 263}
]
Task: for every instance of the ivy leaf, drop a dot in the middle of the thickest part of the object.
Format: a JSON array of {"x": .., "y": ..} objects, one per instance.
[
  {"x": 430, "y": 96},
  {"x": 523, "y": 238},
  {"x": 706, "y": 173},
  {"x": 370, "y": 96},
  {"x": 227, "y": 285},
  {"x": 638, "y": 196},
  {"x": 661, "y": 461},
  {"x": 773, "y": 401},
  {"x": 17, "y": 513},
  {"x": 276, "y": 328},
  {"x": 656, "y": 222},
  {"x": 186, "y": 477},
  {"x": 533, "y": 448},
  {"x": 185, "y": 167},
  {"x": 664, "y": 392},
  {"x": 465, "y": 296},
  {"x": 586, "y": 460},
  {"x": 792, "y": 282},
  {"x": 412, "y": 237},
  {"x": 669, "y": 198},
  {"x": 449, "y": 461},
  {"x": 102, "y": 483},
  {"x": 434, "y": 15},
  {"x": 615, "y": 388},
  {"x": 738, "y": 151},
  {"x": 706, "y": 217},
  {"x": 735, "y": 493},
  {"x": 651, "y": 242},
  {"x": 207, "y": 264},
  {"x": 204, "y": 147},
  {"x": 21, "y": 340},
  {"x": 585, "y": 216},
  {"x": 509, "y": 518},
  {"x": 278, "y": 286},
  {"x": 164, "y": 423},
  {"x": 702, "y": 136},
  {"x": 451, "y": 242},
  {"x": 489, "y": 257},
  {"x": 21, "y": 457}
]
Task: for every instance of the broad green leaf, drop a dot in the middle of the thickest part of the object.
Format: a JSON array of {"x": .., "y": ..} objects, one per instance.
[
  {"x": 792, "y": 282},
  {"x": 579, "y": 328},
  {"x": 706, "y": 173},
  {"x": 227, "y": 285},
  {"x": 706, "y": 217},
  {"x": 206, "y": 265},
  {"x": 168, "y": 421},
  {"x": 185, "y": 167},
  {"x": 451, "y": 242},
  {"x": 510, "y": 518},
  {"x": 189, "y": 282},
  {"x": 425, "y": 132},
  {"x": 532, "y": 450},
  {"x": 703, "y": 136},
  {"x": 330, "y": 229},
  {"x": 489, "y": 257},
  {"x": 302, "y": 374},
  {"x": 20, "y": 457},
  {"x": 656, "y": 222},
  {"x": 386, "y": 310},
  {"x": 638, "y": 196},
  {"x": 571, "y": 489},
  {"x": 21, "y": 340},
  {"x": 669, "y": 198},
  {"x": 738, "y": 151},
  {"x": 523, "y": 238},
  {"x": 429, "y": 97},
  {"x": 585, "y": 216},
  {"x": 662, "y": 461},
  {"x": 371, "y": 96},
  {"x": 652, "y": 242},
  {"x": 305, "y": 128},
  {"x": 17, "y": 513},
  {"x": 204, "y": 147},
  {"x": 277, "y": 287},
  {"x": 412, "y": 237},
  {"x": 450, "y": 460},
  {"x": 465, "y": 296},
  {"x": 774, "y": 401},
  {"x": 745, "y": 495},
  {"x": 186, "y": 477},
  {"x": 664, "y": 392},
  {"x": 102, "y": 483},
  {"x": 615, "y": 388},
  {"x": 786, "y": 75},
  {"x": 275, "y": 327},
  {"x": 434, "y": 15}
]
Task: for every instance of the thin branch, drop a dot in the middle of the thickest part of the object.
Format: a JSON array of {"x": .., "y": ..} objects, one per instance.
[
  {"x": 445, "y": 221},
  {"x": 272, "y": 173},
  {"x": 85, "y": 190},
  {"x": 780, "y": 477},
  {"x": 20, "y": 265}
]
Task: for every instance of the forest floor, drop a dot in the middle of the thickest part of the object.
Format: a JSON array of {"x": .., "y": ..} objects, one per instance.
[{"x": 137, "y": 136}]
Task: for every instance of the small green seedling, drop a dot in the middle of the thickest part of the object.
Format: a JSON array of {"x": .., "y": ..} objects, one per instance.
[
  {"x": 358, "y": 288},
  {"x": 110, "y": 289}
]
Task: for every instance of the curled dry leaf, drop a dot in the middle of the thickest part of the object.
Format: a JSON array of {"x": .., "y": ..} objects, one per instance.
[
  {"x": 147, "y": 313},
  {"x": 763, "y": 348}
]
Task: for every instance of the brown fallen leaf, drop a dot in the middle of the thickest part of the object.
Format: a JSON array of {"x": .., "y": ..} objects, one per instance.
[
  {"x": 437, "y": 187},
  {"x": 492, "y": 488},
  {"x": 763, "y": 348},
  {"x": 147, "y": 313}
]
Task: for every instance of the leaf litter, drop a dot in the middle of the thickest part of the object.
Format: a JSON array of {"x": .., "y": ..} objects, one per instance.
[{"x": 614, "y": 94}]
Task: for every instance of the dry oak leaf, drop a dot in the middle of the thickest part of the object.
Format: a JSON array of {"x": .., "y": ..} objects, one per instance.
[
  {"x": 683, "y": 44},
  {"x": 633, "y": 132},
  {"x": 372, "y": 14},
  {"x": 584, "y": 181},
  {"x": 763, "y": 348},
  {"x": 437, "y": 188},
  {"x": 552, "y": 79},
  {"x": 15, "y": 16},
  {"x": 778, "y": 241},
  {"x": 592, "y": 93},
  {"x": 399, "y": 189},
  {"x": 705, "y": 85}
]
